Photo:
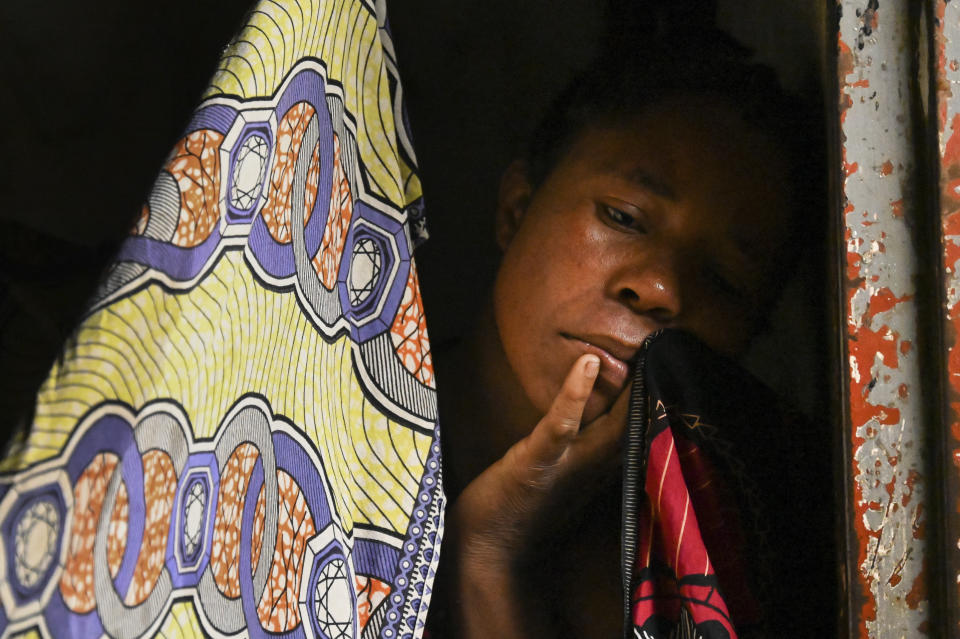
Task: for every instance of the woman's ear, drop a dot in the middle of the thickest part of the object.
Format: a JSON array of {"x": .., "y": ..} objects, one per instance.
[{"x": 512, "y": 202}]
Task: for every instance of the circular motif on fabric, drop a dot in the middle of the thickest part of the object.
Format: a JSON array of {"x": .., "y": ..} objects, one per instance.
[
  {"x": 365, "y": 270},
  {"x": 327, "y": 600},
  {"x": 249, "y": 169},
  {"x": 35, "y": 541},
  {"x": 333, "y": 601},
  {"x": 373, "y": 273},
  {"x": 194, "y": 518}
]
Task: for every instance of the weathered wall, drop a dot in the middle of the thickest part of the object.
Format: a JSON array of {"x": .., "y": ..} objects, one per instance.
[
  {"x": 888, "y": 469},
  {"x": 946, "y": 60}
]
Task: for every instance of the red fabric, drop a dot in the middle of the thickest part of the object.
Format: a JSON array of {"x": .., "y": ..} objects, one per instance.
[{"x": 690, "y": 539}]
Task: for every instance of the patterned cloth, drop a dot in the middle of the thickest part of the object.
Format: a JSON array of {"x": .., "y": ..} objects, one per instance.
[
  {"x": 719, "y": 492},
  {"x": 240, "y": 437}
]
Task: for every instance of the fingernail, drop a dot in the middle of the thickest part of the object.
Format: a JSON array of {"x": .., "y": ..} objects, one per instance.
[{"x": 592, "y": 367}]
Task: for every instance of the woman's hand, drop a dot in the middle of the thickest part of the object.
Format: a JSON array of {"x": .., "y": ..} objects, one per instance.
[{"x": 500, "y": 511}]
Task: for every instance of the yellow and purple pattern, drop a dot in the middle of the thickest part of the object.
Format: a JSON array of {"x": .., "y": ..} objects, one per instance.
[{"x": 240, "y": 438}]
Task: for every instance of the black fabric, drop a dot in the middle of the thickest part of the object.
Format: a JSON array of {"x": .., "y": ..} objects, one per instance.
[{"x": 776, "y": 464}]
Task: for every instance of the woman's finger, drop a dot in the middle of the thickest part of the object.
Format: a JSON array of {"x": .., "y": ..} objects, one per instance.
[
  {"x": 553, "y": 434},
  {"x": 602, "y": 439}
]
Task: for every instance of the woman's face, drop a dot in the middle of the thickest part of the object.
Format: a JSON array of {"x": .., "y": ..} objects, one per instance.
[{"x": 677, "y": 218}]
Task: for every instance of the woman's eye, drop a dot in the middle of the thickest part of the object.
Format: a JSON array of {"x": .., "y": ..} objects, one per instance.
[{"x": 620, "y": 218}]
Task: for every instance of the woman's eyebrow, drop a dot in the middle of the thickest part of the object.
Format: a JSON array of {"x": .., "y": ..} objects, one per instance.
[{"x": 646, "y": 180}]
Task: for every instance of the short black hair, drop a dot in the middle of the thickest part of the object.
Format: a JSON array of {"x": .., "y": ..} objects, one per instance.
[{"x": 624, "y": 81}]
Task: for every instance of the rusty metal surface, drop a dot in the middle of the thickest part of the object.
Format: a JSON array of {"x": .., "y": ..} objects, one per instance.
[
  {"x": 947, "y": 95},
  {"x": 887, "y": 481}
]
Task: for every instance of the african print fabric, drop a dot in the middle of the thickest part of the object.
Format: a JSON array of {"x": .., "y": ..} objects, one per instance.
[
  {"x": 239, "y": 439},
  {"x": 719, "y": 495}
]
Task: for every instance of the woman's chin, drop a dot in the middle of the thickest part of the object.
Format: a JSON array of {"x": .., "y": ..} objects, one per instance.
[{"x": 597, "y": 405}]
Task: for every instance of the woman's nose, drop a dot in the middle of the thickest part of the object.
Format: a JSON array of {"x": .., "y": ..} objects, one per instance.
[{"x": 651, "y": 287}]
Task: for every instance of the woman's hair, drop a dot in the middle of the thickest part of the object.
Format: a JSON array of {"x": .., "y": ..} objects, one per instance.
[{"x": 624, "y": 82}]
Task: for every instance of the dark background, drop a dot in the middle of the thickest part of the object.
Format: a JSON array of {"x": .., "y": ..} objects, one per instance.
[{"x": 95, "y": 94}]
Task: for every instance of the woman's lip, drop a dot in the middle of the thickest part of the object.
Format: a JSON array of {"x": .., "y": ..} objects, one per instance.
[{"x": 612, "y": 369}]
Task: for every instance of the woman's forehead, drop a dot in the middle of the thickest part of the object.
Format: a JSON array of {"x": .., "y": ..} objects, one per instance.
[
  {"x": 677, "y": 152},
  {"x": 681, "y": 128}
]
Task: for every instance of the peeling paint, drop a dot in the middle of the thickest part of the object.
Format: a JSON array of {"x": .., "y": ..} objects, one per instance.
[
  {"x": 887, "y": 467},
  {"x": 947, "y": 43}
]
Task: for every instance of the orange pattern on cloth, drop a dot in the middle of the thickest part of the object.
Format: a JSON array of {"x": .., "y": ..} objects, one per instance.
[
  {"x": 159, "y": 490},
  {"x": 117, "y": 533},
  {"x": 371, "y": 592},
  {"x": 276, "y": 210},
  {"x": 225, "y": 553},
  {"x": 76, "y": 585},
  {"x": 278, "y": 610},
  {"x": 327, "y": 260},
  {"x": 409, "y": 333},
  {"x": 195, "y": 165}
]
